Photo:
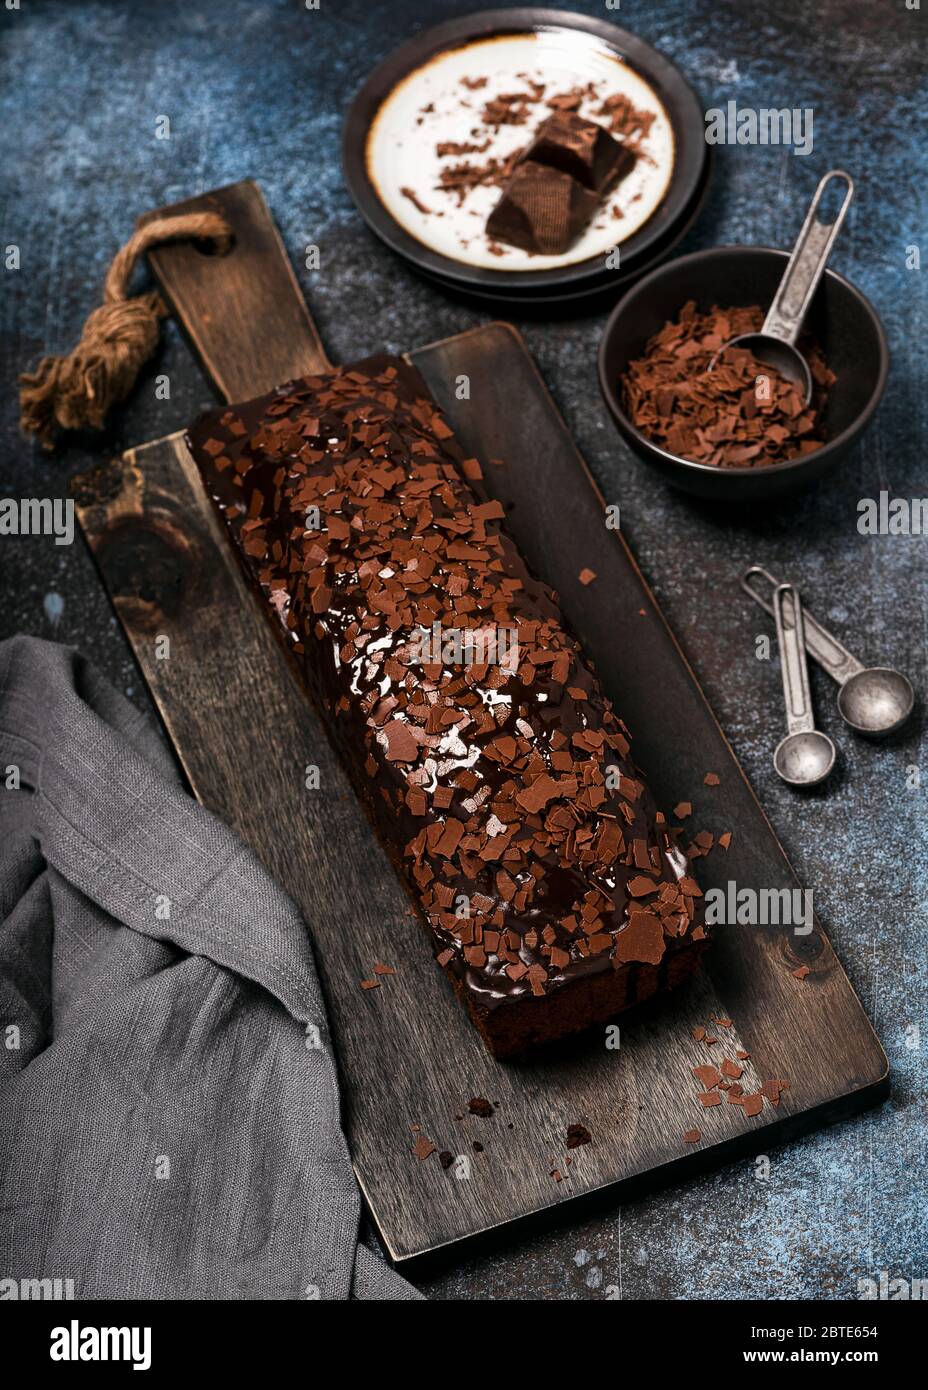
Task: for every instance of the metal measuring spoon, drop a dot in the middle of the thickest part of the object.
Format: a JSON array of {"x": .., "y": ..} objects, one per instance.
[
  {"x": 775, "y": 344},
  {"x": 806, "y": 756},
  {"x": 873, "y": 700}
]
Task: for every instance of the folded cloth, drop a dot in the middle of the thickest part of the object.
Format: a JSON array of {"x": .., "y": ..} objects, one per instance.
[{"x": 169, "y": 1123}]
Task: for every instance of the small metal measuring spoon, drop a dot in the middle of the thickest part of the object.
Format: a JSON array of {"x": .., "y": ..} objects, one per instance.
[
  {"x": 775, "y": 344},
  {"x": 874, "y": 700},
  {"x": 806, "y": 756}
]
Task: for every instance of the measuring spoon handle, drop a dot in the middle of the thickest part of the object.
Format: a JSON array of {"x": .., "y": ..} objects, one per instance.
[
  {"x": 791, "y": 639},
  {"x": 821, "y": 646},
  {"x": 806, "y": 264}
]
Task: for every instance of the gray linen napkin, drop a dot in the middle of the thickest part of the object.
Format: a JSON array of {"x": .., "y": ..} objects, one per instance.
[{"x": 169, "y": 1123}]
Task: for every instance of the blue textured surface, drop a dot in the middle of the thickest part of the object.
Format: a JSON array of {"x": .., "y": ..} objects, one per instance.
[{"x": 260, "y": 89}]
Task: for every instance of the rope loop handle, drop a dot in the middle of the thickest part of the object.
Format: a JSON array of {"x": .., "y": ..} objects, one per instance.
[{"x": 76, "y": 391}]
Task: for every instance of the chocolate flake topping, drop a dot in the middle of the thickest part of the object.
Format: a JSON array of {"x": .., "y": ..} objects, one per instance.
[{"x": 364, "y": 525}]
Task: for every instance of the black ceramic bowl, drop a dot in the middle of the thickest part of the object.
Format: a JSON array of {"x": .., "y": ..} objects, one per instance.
[{"x": 844, "y": 322}]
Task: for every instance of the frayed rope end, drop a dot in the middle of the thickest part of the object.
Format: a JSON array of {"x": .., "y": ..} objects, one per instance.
[{"x": 76, "y": 391}]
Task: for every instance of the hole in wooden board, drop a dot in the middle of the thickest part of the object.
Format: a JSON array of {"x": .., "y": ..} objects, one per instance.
[
  {"x": 154, "y": 565},
  {"x": 204, "y": 247}
]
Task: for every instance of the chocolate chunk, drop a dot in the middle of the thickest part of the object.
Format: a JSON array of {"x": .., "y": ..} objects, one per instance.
[
  {"x": 584, "y": 150},
  {"x": 541, "y": 210}
]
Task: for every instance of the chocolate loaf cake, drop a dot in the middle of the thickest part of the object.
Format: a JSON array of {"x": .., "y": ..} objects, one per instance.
[{"x": 474, "y": 730}]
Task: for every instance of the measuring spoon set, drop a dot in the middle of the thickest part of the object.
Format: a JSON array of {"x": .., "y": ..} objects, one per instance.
[{"x": 872, "y": 700}]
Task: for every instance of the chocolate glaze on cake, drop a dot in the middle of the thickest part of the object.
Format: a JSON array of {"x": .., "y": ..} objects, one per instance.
[{"x": 503, "y": 789}]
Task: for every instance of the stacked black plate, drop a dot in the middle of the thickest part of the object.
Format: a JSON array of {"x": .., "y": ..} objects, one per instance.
[{"x": 563, "y": 284}]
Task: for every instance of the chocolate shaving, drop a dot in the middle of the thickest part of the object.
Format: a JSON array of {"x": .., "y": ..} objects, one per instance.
[{"x": 416, "y": 201}]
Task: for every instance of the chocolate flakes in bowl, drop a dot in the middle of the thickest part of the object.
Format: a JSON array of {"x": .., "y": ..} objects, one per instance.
[
  {"x": 668, "y": 322},
  {"x": 740, "y": 414}
]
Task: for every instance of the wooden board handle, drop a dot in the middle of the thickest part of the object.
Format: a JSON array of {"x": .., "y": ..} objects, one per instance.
[{"x": 244, "y": 312}]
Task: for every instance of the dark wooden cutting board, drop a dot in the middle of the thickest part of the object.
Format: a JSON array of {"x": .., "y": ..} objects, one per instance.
[{"x": 408, "y": 1058}]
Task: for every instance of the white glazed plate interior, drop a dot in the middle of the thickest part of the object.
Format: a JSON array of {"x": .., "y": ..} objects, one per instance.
[{"x": 432, "y": 105}]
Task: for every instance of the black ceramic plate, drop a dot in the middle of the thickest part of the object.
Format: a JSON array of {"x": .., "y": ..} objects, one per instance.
[
  {"x": 662, "y": 76},
  {"x": 601, "y": 289}
]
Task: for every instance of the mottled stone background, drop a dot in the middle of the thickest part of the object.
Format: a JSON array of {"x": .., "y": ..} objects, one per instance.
[{"x": 259, "y": 88}]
